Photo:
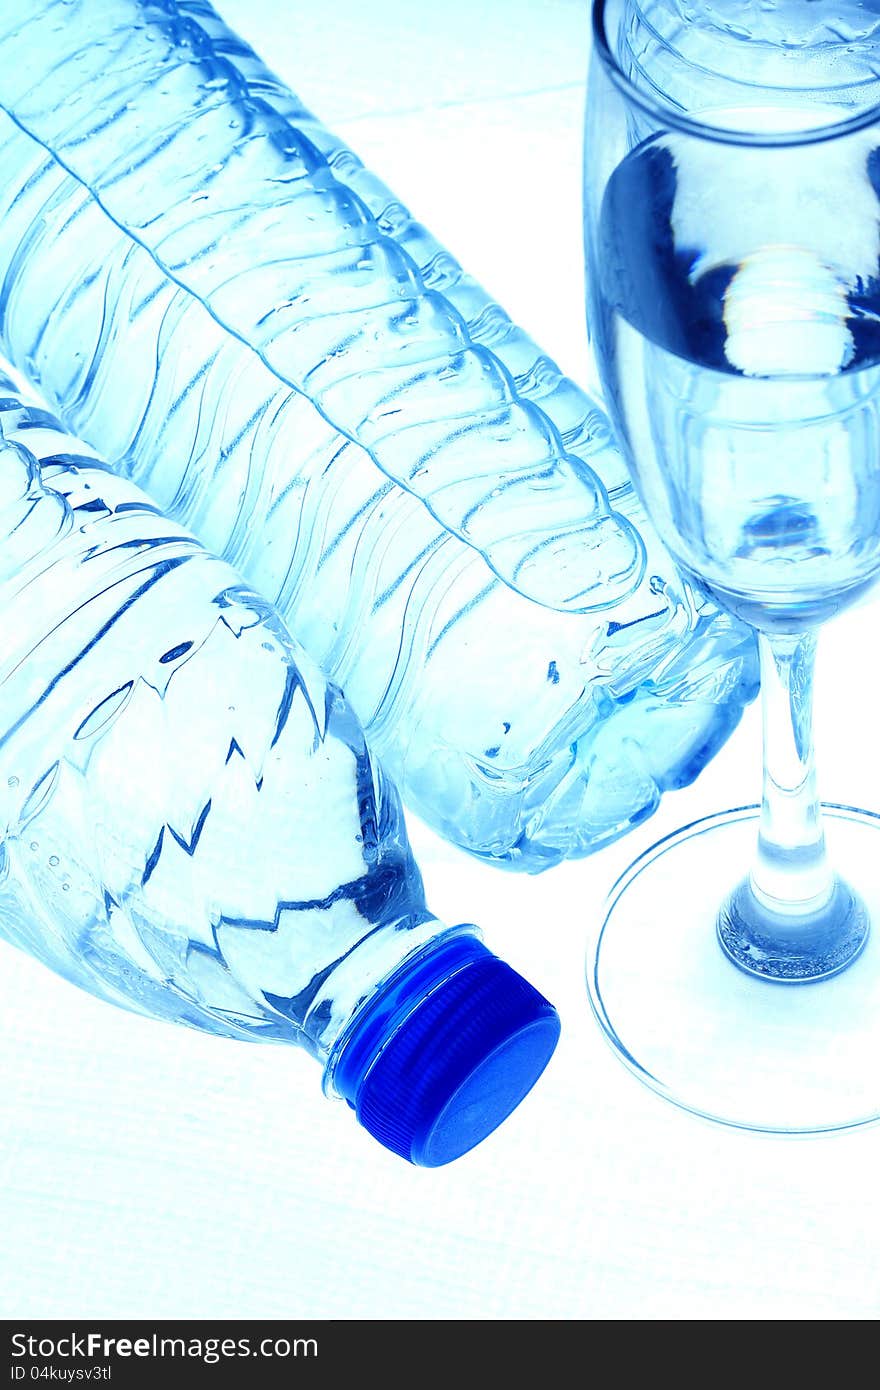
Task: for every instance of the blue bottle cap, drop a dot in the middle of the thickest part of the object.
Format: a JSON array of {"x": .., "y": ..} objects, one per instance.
[{"x": 445, "y": 1054}]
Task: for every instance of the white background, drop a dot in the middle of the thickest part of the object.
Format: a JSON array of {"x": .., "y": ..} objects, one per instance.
[{"x": 148, "y": 1171}]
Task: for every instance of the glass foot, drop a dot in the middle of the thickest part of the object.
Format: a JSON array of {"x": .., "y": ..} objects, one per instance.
[
  {"x": 693, "y": 1013},
  {"x": 793, "y": 950}
]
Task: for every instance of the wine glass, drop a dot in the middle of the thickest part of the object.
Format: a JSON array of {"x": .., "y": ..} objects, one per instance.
[{"x": 732, "y": 233}]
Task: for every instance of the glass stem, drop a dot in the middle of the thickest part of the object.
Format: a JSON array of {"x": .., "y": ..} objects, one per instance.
[
  {"x": 793, "y": 919},
  {"x": 791, "y": 872}
]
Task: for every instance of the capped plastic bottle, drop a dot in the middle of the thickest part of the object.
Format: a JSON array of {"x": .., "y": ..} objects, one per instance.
[
  {"x": 363, "y": 434},
  {"x": 194, "y": 828}
]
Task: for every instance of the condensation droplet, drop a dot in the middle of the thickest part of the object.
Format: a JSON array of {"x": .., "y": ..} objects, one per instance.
[
  {"x": 54, "y": 860},
  {"x": 35, "y": 844}
]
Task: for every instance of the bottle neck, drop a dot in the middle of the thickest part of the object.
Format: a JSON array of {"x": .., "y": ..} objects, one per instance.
[{"x": 377, "y": 985}]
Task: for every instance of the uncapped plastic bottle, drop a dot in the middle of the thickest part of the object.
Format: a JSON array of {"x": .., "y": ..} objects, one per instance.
[
  {"x": 325, "y": 399},
  {"x": 194, "y": 828}
]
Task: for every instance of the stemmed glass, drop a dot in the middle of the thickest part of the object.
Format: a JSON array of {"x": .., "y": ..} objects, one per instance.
[{"x": 732, "y": 231}]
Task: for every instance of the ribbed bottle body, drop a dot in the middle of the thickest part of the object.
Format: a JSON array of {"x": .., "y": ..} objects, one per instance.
[
  {"x": 193, "y": 826},
  {"x": 418, "y": 490}
]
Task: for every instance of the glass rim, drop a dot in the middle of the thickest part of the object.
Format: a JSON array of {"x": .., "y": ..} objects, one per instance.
[{"x": 676, "y": 118}]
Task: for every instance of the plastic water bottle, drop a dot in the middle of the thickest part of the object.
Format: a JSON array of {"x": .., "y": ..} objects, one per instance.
[
  {"x": 375, "y": 445},
  {"x": 193, "y": 826},
  {"x": 703, "y": 54}
]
